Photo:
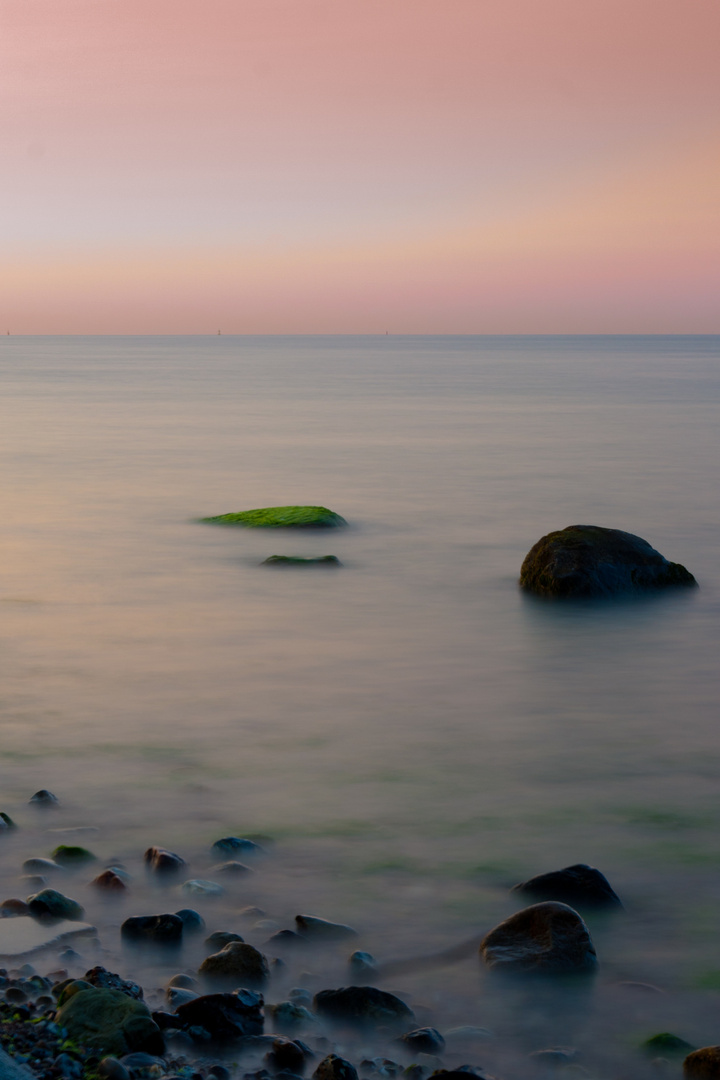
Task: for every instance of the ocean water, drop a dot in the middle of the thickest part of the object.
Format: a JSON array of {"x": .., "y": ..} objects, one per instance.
[{"x": 410, "y": 733}]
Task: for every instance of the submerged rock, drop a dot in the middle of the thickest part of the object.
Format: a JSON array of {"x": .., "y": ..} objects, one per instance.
[
  {"x": 161, "y": 861},
  {"x": 587, "y": 560},
  {"x": 667, "y": 1045},
  {"x": 224, "y": 1016},
  {"x": 44, "y": 798},
  {"x": 310, "y": 926},
  {"x": 297, "y": 560},
  {"x": 111, "y": 1021},
  {"x": 158, "y": 929},
  {"x": 333, "y": 1067},
  {"x": 544, "y": 939},
  {"x": 221, "y": 938},
  {"x": 426, "y": 1040},
  {"x": 71, "y": 855},
  {"x": 230, "y": 845},
  {"x": 577, "y": 885},
  {"x": 201, "y": 887},
  {"x": 102, "y": 979},
  {"x": 239, "y": 963},
  {"x": 281, "y": 517},
  {"x": 53, "y": 904},
  {"x": 109, "y": 881},
  {"x": 703, "y": 1064},
  {"x": 362, "y": 1005}
]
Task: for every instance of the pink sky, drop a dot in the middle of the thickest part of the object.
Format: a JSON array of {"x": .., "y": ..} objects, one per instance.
[{"x": 421, "y": 166}]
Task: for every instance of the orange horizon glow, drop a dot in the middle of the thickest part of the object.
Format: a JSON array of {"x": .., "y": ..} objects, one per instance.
[{"x": 331, "y": 167}]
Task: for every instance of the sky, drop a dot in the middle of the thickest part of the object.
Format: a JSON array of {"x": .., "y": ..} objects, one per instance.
[{"x": 357, "y": 166}]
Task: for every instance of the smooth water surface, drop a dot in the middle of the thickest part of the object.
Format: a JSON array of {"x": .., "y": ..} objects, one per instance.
[{"x": 412, "y": 732}]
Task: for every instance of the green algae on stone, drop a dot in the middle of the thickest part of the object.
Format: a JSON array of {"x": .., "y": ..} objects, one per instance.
[
  {"x": 590, "y": 561},
  {"x": 281, "y": 517},
  {"x": 70, "y": 855},
  {"x": 667, "y": 1044},
  {"x": 297, "y": 560}
]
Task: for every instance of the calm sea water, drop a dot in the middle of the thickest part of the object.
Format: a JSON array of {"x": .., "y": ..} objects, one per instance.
[{"x": 412, "y": 733}]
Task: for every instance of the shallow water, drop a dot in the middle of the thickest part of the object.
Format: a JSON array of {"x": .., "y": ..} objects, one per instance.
[{"x": 412, "y": 733}]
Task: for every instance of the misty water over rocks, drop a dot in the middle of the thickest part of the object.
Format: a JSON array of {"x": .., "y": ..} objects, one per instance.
[{"x": 409, "y": 736}]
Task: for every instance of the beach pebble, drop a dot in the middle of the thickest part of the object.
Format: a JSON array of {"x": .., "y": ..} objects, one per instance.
[
  {"x": 44, "y": 798},
  {"x": 333, "y": 1067},
  {"x": 237, "y": 962},
  {"x": 49, "y": 902},
  {"x": 70, "y": 855},
  {"x": 362, "y": 1005},
  {"x": 287, "y": 1055},
  {"x": 182, "y": 979},
  {"x": 251, "y": 912},
  {"x": 12, "y": 907},
  {"x": 161, "y": 861},
  {"x": 425, "y": 1040},
  {"x": 310, "y": 926},
  {"x": 109, "y": 881},
  {"x": 193, "y": 922},
  {"x": 6, "y": 822},
  {"x": 201, "y": 887},
  {"x": 544, "y": 939},
  {"x": 41, "y": 866},
  {"x": 362, "y": 963},
  {"x": 178, "y": 995},
  {"x": 231, "y": 845},
  {"x": 220, "y": 939},
  {"x": 159, "y": 929},
  {"x": 285, "y": 939},
  {"x": 69, "y": 1067},
  {"x": 111, "y": 1069},
  {"x": 290, "y": 1016},
  {"x": 223, "y": 1016},
  {"x": 232, "y": 869},
  {"x": 578, "y": 886}
]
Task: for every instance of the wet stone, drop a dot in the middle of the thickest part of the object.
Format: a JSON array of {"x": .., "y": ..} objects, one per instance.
[
  {"x": 310, "y": 926},
  {"x": 544, "y": 939},
  {"x": 577, "y": 886},
  {"x": 220, "y": 939},
  {"x": 158, "y": 929},
  {"x": 110, "y": 882},
  {"x": 362, "y": 1005},
  {"x": 232, "y": 845},
  {"x": 103, "y": 979},
  {"x": 193, "y": 922},
  {"x": 239, "y": 963},
  {"x": 70, "y": 855},
  {"x": 333, "y": 1067},
  {"x": 703, "y": 1064},
  {"x": 161, "y": 861},
  {"x": 44, "y": 798},
  {"x": 426, "y": 1040},
  {"x": 224, "y": 1016}
]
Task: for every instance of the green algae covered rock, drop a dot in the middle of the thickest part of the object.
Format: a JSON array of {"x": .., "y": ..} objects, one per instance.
[
  {"x": 71, "y": 855},
  {"x": 667, "y": 1044},
  {"x": 110, "y": 1021},
  {"x": 297, "y": 560},
  {"x": 281, "y": 517},
  {"x": 589, "y": 561}
]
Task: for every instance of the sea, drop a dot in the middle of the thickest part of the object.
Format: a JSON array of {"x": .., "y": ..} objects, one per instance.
[{"x": 408, "y": 735}]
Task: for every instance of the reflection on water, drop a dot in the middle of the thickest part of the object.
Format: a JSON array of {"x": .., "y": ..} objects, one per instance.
[{"x": 413, "y": 733}]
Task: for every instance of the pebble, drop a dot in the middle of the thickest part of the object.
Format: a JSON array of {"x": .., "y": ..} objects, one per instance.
[{"x": 44, "y": 798}]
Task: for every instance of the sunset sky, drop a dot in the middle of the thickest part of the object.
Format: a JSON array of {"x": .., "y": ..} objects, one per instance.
[{"x": 356, "y": 166}]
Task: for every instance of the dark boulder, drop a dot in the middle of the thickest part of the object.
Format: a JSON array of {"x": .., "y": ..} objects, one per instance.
[
  {"x": 703, "y": 1064},
  {"x": 426, "y": 1040},
  {"x": 109, "y": 882},
  {"x": 161, "y": 861},
  {"x": 102, "y": 979},
  {"x": 578, "y": 886},
  {"x": 110, "y": 1021},
  {"x": 310, "y": 926},
  {"x": 334, "y": 1067},
  {"x": 158, "y": 929},
  {"x": 238, "y": 964},
  {"x": 224, "y": 1016},
  {"x": 44, "y": 798},
  {"x": 362, "y": 1005},
  {"x": 49, "y": 903},
  {"x": 544, "y": 939},
  {"x": 588, "y": 561}
]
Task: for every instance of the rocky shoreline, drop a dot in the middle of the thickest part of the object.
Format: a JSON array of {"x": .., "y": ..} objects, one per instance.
[{"x": 255, "y": 1012}]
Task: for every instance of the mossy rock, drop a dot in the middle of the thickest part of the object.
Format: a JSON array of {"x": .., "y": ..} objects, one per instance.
[
  {"x": 667, "y": 1044},
  {"x": 110, "y": 1021},
  {"x": 297, "y": 560},
  {"x": 281, "y": 517},
  {"x": 590, "y": 561},
  {"x": 70, "y": 855}
]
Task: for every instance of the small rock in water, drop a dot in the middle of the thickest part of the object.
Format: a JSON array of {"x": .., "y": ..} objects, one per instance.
[
  {"x": 703, "y": 1064},
  {"x": 362, "y": 1005},
  {"x": 161, "y": 861},
  {"x": 287, "y": 1055},
  {"x": 578, "y": 886},
  {"x": 183, "y": 980},
  {"x": 12, "y": 907},
  {"x": 111, "y": 1069},
  {"x": 362, "y": 963},
  {"x": 544, "y": 939},
  {"x": 290, "y": 1016},
  {"x": 193, "y": 922},
  {"x": 285, "y": 939},
  {"x": 6, "y": 822},
  {"x": 238, "y": 963},
  {"x": 44, "y": 798},
  {"x": 310, "y": 926},
  {"x": 41, "y": 866},
  {"x": 667, "y": 1044},
  {"x": 200, "y": 887},
  {"x": 159, "y": 929},
  {"x": 281, "y": 517},
  {"x": 587, "y": 560},
  {"x": 220, "y": 939},
  {"x": 297, "y": 560},
  {"x": 110, "y": 882},
  {"x": 53, "y": 904},
  {"x": 426, "y": 1040},
  {"x": 224, "y": 1016},
  {"x": 231, "y": 869},
  {"x": 251, "y": 912},
  {"x": 102, "y": 979},
  {"x": 231, "y": 844},
  {"x": 70, "y": 855},
  {"x": 110, "y": 1021},
  {"x": 554, "y": 1057},
  {"x": 178, "y": 995},
  {"x": 333, "y": 1067}
]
